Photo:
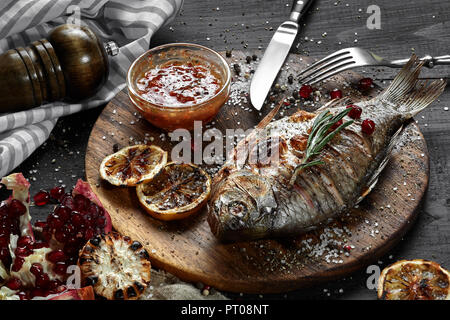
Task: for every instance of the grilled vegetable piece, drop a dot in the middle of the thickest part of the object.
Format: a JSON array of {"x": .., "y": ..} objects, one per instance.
[
  {"x": 132, "y": 165},
  {"x": 117, "y": 267},
  {"x": 178, "y": 191},
  {"x": 414, "y": 280}
]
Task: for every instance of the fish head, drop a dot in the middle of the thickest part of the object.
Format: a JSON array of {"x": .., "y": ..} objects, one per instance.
[{"x": 240, "y": 205}]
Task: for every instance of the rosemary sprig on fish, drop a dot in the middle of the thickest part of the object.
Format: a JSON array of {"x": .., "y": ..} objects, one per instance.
[
  {"x": 318, "y": 174},
  {"x": 320, "y": 135}
]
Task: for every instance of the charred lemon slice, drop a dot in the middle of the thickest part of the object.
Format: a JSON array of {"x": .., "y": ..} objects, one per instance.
[
  {"x": 178, "y": 191},
  {"x": 414, "y": 280},
  {"x": 117, "y": 267},
  {"x": 132, "y": 165}
]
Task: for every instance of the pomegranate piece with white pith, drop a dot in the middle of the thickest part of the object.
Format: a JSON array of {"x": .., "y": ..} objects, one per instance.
[
  {"x": 78, "y": 217},
  {"x": 35, "y": 267}
]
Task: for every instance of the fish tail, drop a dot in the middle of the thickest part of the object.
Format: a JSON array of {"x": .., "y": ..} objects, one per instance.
[{"x": 406, "y": 96}]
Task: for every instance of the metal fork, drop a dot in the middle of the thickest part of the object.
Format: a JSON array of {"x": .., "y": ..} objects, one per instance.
[{"x": 350, "y": 58}]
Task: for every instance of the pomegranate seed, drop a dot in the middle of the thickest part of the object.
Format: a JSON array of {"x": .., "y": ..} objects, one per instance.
[
  {"x": 336, "y": 125},
  {"x": 57, "y": 192},
  {"x": 54, "y": 221},
  {"x": 42, "y": 281},
  {"x": 100, "y": 221},
  {"x": 17, "y": 208},
  {"x": 89, "y": 234},
  {"x": 60, "y": 268},
  {"x": 365, "y": 84},
  {"x": 73, "y": 241},
  {"x": 69, "y": 229},
  {"x": 77, "y": 220},
  {"x": 89, "y": 221},
  {"x": 40, "y": 224},
  {"x": 23, "y": 295},
  {"x": 70, "y": 249},
  {"x": 3, "y": 209},
  {"x": 18, "y": 263},
  {"x": 25, "y": 242},
  {"x": 47, "y": 236},
  {"x": 36, "y": 292},
  {"x": 14, "y": 227},
  {"x": 56, "y": 256},
  {"x": 4, "y": 240},
  {"x": 22, "y": 252},
  {"x": 4, "y": 255},
  {"x": 61, "y": 236},
  {"x": 67, "y": 201},
  {"x": 93, "y": 210},
  {"x": 305, "y": 91},
  {"x": 356, "y": 111},
  {"x": 14, "y": 284},
  {"x": 81, "y": 202},
  {"x": 336, "y": 94},
  {"x": 347, "y": 248},
  {"x": 368, "y": 126},
  {"x": 287, "y": 103},
  {"x": 55, "y": 284},
  {"x": 36, "y": 269},
  {"x": 62, "y": 212},
  {"x": 41, "y": 198},
  {"x": 40, "y": 244}
]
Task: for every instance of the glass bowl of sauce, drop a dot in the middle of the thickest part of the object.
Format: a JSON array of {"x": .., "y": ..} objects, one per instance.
[{"x": 174, "y": 85}]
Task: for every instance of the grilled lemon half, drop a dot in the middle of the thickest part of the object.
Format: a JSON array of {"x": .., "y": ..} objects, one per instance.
[
  {"x": 132, "y": 165},
  {"x": 178, "y": 191},
  {"x": 414, "y": 280},
  {"x": 115, "y": 266}
]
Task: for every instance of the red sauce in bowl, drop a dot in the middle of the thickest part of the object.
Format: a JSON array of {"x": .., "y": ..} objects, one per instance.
[{"x": 176, "y": 84}]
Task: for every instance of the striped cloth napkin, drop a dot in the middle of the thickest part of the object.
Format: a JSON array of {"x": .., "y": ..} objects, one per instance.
[{"x": 130, "y": 23}]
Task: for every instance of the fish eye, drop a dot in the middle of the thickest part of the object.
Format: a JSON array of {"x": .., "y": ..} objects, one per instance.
[{"x": 237, "y": 208}]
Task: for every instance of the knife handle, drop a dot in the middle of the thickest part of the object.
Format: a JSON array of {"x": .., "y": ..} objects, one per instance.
[{"x": 300, "y": 7}]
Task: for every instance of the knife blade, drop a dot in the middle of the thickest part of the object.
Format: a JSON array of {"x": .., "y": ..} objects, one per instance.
[{"x": 275, "y": 55}]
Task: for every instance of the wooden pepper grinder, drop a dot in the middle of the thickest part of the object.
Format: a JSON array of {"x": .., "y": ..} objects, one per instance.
[{"x": 71, "y": 65}]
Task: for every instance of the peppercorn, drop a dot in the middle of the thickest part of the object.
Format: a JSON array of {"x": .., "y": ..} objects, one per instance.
[
  {"x": 254, "y": 57},
  {"x": 248, "y": 59},
  {"x": 291, "y": 79},
  {"x": 228, "y": 53},
  {"x": 295, "y": 95},
  {"x": 237, "y": 68},
  {"x": 276, "y": 88}
]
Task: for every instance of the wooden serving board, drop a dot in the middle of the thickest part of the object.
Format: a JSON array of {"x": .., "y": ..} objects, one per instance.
[{"x": 190, "y": 251}]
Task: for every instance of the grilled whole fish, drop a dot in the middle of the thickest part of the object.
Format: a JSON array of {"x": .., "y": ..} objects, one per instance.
[{"x": 255, "y": 199}]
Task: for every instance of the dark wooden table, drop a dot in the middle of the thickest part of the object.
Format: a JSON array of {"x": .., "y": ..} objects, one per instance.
[{"x": 415, "y": 26}]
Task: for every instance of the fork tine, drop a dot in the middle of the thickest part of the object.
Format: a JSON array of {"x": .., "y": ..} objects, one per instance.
[
  {"x": 332, "y": 72},
  {"x": 326, "y": 66},
  {"x": 331, "y": 56}
]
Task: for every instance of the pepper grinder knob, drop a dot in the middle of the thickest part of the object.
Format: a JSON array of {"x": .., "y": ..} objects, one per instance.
[{"x": 112, "y": 49}]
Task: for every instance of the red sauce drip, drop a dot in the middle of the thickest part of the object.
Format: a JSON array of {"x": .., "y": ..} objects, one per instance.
[{"x": 176, "y": 83}]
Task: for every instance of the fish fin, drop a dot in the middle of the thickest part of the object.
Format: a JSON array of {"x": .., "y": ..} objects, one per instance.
[
  {"x": 404, "y": 95},
  {"x": 374, "y": 178},
  {"x": 264, "y": 122}
]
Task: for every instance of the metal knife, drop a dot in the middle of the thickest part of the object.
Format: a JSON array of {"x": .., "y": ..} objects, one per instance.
[{"x": 275, "y": 54}]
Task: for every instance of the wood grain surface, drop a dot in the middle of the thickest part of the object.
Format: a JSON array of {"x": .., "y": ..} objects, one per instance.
[{"x": 189, "y": 250}]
